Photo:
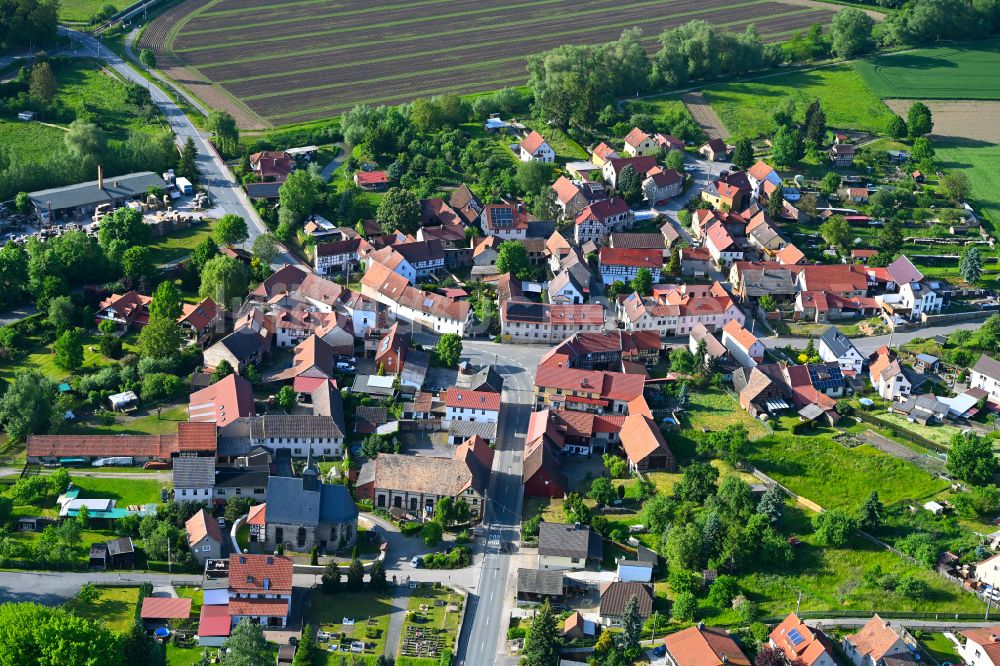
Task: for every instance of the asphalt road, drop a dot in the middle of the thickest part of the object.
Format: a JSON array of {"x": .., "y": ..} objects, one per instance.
[
  {"x": 216, "y": 177},
  {"x": 55, "y": 587},
  {"x": 482, "y": 634},
  {"x": 869, "y": 344}
]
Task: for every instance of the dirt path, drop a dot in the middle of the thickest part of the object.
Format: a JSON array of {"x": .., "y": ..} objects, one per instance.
[
  {"x": 966, "y": 119},
  {"x": 704, "y": 115},
  {"x": 877, "y": 16}
]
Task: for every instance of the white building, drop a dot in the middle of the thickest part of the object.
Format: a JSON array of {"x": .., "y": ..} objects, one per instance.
[
  {"x": 982, "y": 646},
  {"x": 466, "y": 405},
  {"x": 873, "y": 643},
  {"x": 534, "y": 148},
  {"x": 986, "y": 376},
  {"x": 744, "y": 346},
  {"x": 834, "y": 346}
]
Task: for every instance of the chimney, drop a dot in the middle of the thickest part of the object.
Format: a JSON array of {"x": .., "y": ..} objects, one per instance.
[{"x": 100, "y": 177}]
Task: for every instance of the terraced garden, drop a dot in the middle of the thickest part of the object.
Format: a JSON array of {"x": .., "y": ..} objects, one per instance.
[{"x": 303, "y": 60}]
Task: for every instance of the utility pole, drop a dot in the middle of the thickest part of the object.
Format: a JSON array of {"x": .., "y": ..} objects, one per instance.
[
  {"x": 798, "y": 603},
  {"x": 170, "y": 561}
]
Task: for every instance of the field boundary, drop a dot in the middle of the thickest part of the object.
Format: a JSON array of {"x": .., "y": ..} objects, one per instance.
[{"x": 703, "y": 113}]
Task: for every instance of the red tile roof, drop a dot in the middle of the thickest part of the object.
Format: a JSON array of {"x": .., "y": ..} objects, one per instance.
[
  {"x": 804, "y": 652},
  {"x": 201, "y": 525},
  {"x": 165, "y": 608},
  {"x": 638, "y": 258},
  {"x": 641, "y": 437},
  {"x": 222, "y": 402},
  {"x": 214, "y": 621},
  {"x": 635, "y": 137},
  {"x": 604, "y": 151},
  {"x": 706, "y": 646},
  {"x": 259, "y": 607},
  {"x": 98, "y": 446},
  {"x": 247, "y": 573},
  {"x": 602, "y": 210},
  {"x": 196, "y": 437},
  {"x": 719, "y": 237},
  {"x": 532, "y": 142},
  {"x": 371, "y": 177},
  {"x": 257, "y": 515},
  {"x": 201, "y": 315},
  {"x": 565, "y": 189},
  {"x": 456, "y": 397},
  {"x": 760, "y": 171},
  {"x": 742, "y": 336}
]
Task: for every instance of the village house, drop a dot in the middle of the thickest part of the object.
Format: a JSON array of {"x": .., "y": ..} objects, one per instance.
[
  {"x": 644, "y": 445},
  {"x": 547, "y": 323},
  {"x": 762, "y": 389},
  {"x": 600, "y": 218},
  {"x": 887, "y": 376},
  {"x": 623, "y": 265},
  {"x": 466, "y": 405},
  {"x": 340, "y": 256},
  {"x": 713, "y": 348},
  {"x": 248, "y": 344},
  {"x": 272, "y": 165},
  {"x": 414, "y": 306},
  {"x": 836, "y": 347},
  {"x": 505, "y": 221},
  {"x": 197, "y": 439},
  {"x": 371, "y": 181},
  {"x": 703, "y": 646},
  {"x": 604, "y": 350},
  {"x": 303, "y": 512},
  {"x": 662, "y": 185},
  {"x": 390, "y": 355},
  {"x": 638, "y": 143},
  {"x": 260, "y": 589},
  {"x": 760, "y": 173},
  {"x": 466, "y": 204},
  {"x": 695, "y": 261},
  {"x": 541, "y": 473},
  {"x": 668, "y": 142},
  {"x": 565, "y": 288},
  {"x": 572, "y": 196},
  {"x": 613, "y": 168},
  {"x": 873, "y": 643},
  {"x": 204, "y": 537},
  {"x": 721, "y": 246},
  {"x": 802, "y": 645},
  {"x": 602, "y": 154},
  {"x": 564, "y": 547},
  {"x": 615, "y": 597},
  {"x": 586, "y": 390},
  {"x": 193, "y": 478},
  {"x": 416, "y": 484},
  {"x": 723, "y": 196},
  {"x": 131, "y": 311},
  {"x": 982, "y": 646},
  {"x": 744, "y": 346},
  {"x": 714, "y": 151},
  {"x": 534, "y": 148},
  {"x": 986, "y": 376},
  {"x": 573, "y": 432},
  {"x": 842, "y": 155},
  {"x": 677, "y": 310},
  {"x": 302, "y": 434}
]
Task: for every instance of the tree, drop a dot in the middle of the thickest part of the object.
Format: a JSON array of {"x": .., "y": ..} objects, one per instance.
[
  {"x": 767, "y": 303},
  {"x": 602, "y": 491},
  {"x": 683, "y": 547},
  {"x": 836, "y": 231},
  {"x": 42, "y": 83},
  {"x": 971, "y": 459},
  {"x": 223, "y": 279},
  {"x": 674, "y": 265},
  {"x": 27, "y": 406},
  {"x": 897, "y": 127},
  {"x": 890, "y": 239},
  {"x": 815, "y": 121},
  {"x": 124, "y": 225},
  {"x": 304, "y": 650},
  {"x": 629, "y": 184},
  {"x": 62, "y": 313},
  {"x": 870, "y": 514},
  {"x": 776, "y": 203},
  {"x": 919, "y": 120},
  {"x": 230, "y": 230},
  {"x": 137, "y": 263},
  {"x": 330, "y": 582},
  {"x": 448, "y": 349},
  {"x": 399, "y": 209},
  {"x": 187, "y": 164},
  {"x": 85, "y": 140},
  {"x": 431, "y": 533},
  {"x": 222, "y": 370},
  {"x": 830, "y": 183},
  {"x": 834, "y": 527},
  {"x": 512, "y": 257},
  {"x": 355, "y": 575},
  {"x": 246, "y": 646},
  {"x": 35, "y": 634},
  {"x": 723, "y": 590},
  {"x": 69, "y": 350},
  {"x": 377, "y": 576},
  {"x": 166, "y": 302},
  {"x": 541, "y": 644},
  {"x": 743, "y": 154},
  {"x": 236, "y": 507},
  {"x": 642, "y": 283},
  {"x": 160, "y": 338},
  {"x": 147, "y": 58},
  {"x": 204, "y": 252},
  {"x": 735, "y": 498},
  {"x": 631, "y": 633},
  {"x": 227, "y": 135},
  {"x": 534, "y": 176},
  {"x": 697, "y": 482},
  {"x": 685, "y": 608},
  {"x": 772, "y": 503},
  {"x": 785, "y": 145},
  {"x": 769, "y": 656},
  {"x": 266, "y": 248},
  {"x": 851, "y": 32},
  {"x": 970, "y": 266},
  {"x": 287, "y": 398},
  {"x": 955, "y": 186},
  {"x": 922, "y": 151},
  {"x": 675, "y": 160}
]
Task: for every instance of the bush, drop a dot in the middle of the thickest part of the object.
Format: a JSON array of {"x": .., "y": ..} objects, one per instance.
[
  {"x": 410, "y": 528},
  {"x": 459, "y": 557},
  {"x": 431, "y": 533},
  {"x": 160, "y": 385}
]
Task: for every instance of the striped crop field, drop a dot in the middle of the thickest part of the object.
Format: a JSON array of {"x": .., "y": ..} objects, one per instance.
[{"x": 279, "y": 63}]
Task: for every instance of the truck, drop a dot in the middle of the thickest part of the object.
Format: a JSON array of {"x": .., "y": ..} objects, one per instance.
[{"x": 184, "y": 185}]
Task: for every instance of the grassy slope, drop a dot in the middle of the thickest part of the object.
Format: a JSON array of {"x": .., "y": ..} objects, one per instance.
[
  {"x": 745, "y": 108},
  {"x": 114, "y": 606},
  {"x": 979, "y": 162},
  {"x": 79, "y": 11},
  {"x": 30, "y": 142},
  {"x": 966, "y": 71}
]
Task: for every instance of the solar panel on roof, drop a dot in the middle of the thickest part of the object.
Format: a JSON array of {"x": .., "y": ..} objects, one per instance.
[{"x": 795, "y": 636}]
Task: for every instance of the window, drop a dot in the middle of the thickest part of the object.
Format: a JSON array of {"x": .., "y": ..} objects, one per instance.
[
  {"x": 258, "y": 491},
  {"x": 239, "y": 491},
  {"x": 279, "y": 535},
  {"x": 300, "y": 539},
  {"x": 222, "y": 491}
]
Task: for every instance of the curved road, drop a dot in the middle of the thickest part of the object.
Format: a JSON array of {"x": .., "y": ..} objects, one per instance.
[{"x": 216, "y": 178}]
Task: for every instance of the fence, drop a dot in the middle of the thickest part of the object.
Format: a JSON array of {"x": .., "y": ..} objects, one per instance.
[{"x": 900, "y": 432}]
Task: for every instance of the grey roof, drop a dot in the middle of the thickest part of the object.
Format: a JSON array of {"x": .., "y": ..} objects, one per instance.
[
  {"x": 466, "y": 429},
  {"x": 559, "y": 540},
  {"x": 233, "y": 446},
  {"x": 326, "y": 402},
  {"x": 263, "y": 190},
  {"x": 242, "y": 477},
  {"x": 293, "y": 426},
  {"x": 926, "y": 403},
  {"x": 485, "y": 379},
  {"x": 987, "y": 366},
  {"x": 121, "y": 546},
  {"x": 536, "y": 581},
  {"x": 375, "y": 416},
  {"x": 646, "y": 556},
  {"x": 837, "y": 342},
  {"x": 811, "y": 412},
  {"x": 242, "y": 343},
  {"x": 194, "y": 472},
  {"x": 415, "y": 367},
  {"x": 289, "y": 503},
  {"x": 116, "y": 189},
  {"x": 927, "y": 359},
  {"x": 540, "y": 228},
  {"x": 764, "y": 233},
  {"x": 361, "y": 385}
]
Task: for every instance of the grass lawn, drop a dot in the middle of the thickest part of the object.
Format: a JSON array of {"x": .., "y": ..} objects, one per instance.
[
  {"x": 328, "y": 612},
  {"x": 567, "y": 149},
  {"x": 80, "y": 11},
  {"x": 964, "y": 71},
  {"x": 745, "y": 108},
  {"x": 833, "y": 476},
  {"x": 115, "y": 606},
  {"x": 940, "y": 433},
  {"x": 666, "y": 112},
  {"x": 424, "y": 614},
  {"x": 131, "y": 491},
  {"x": 978, "y": 161},
  {"x": 830, "y": 578},
  {"x": 178, "y": 245},
  {"x": 30, "y": 142},
  {"x": 43, "y": 358},
  {"x": 939, "y": 647},
  {"x": 148, "y": 424}
]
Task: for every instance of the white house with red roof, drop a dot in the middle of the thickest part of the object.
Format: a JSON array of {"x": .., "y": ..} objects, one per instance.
[
  {"x": 679, "y": 309},
  {"x": 600, "y": 218},
  {"x": 371, "y": 180},
  {"x": 467, "y": 405},
  {"x": 614, "y": 166},
  {"x": 260, "y": 589},
  {"x": 743, "y": 345},
  {"x": 760, "y": 173},
  {"x": 662, "y": 185},
  {"x": 982, "y": 646},
  {"x": 874, "y": 642},
  {"x": 668, "y": 142},
  {"x": 602, "y": 154},
  {"x": 534, "y": 148},
  {"x": 624, "y": 263},
  {"x": 802, "y": 645},
  {"x": 638, "y": 143},
  {"x": 722, "y": 247}
]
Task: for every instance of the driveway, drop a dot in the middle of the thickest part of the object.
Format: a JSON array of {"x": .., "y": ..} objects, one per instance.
[
  {"x": 17, "y": 314},
  {"x": 867, "y": 345}
]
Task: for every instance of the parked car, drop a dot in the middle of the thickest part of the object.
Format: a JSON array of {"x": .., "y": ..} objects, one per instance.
[{"x": 417, "y": 562}]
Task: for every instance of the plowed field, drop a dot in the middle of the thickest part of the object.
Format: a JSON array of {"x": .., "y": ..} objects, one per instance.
[{"x": 300, "y": 60}]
